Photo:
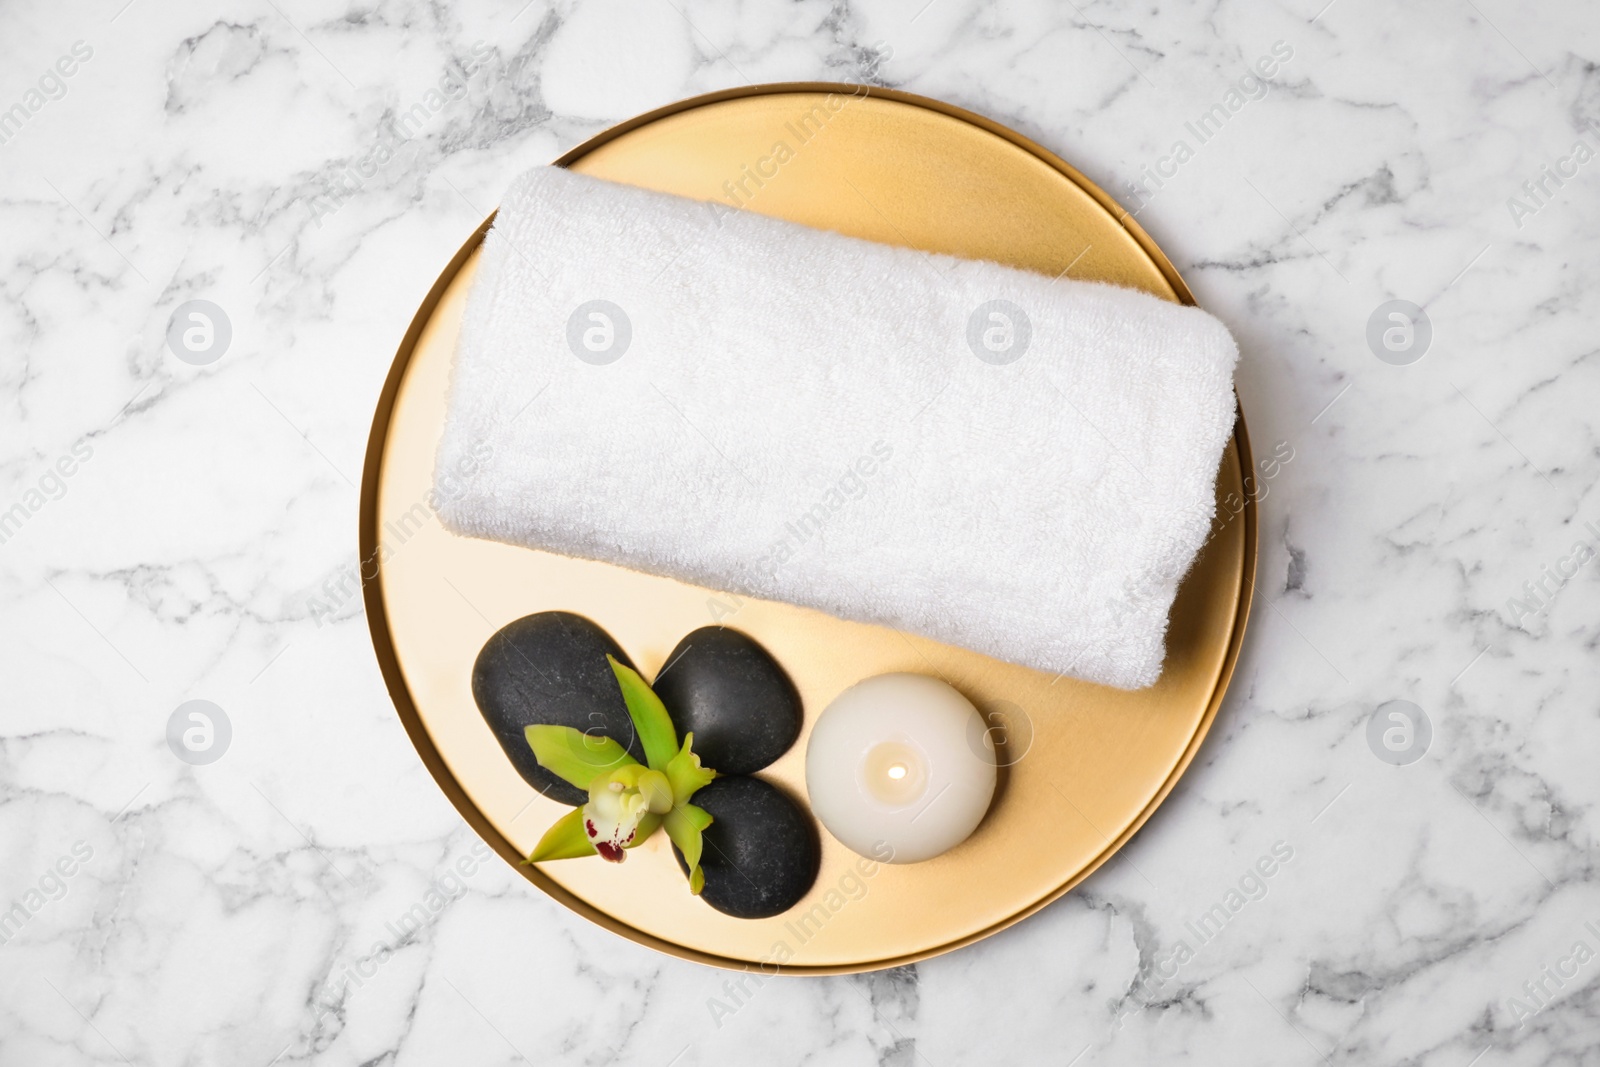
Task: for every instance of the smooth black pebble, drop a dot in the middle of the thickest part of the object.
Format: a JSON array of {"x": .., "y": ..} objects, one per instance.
[
  {"x": 761, "y": 851},
  {"x": 550, "y": 669},
  {"x": 727, "y": 690}
]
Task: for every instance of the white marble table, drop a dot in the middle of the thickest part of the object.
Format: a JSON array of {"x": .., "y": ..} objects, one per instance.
[{"x": 176, "y": 532}]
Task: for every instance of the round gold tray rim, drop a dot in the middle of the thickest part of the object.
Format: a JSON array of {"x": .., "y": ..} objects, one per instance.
[{"x": 377, "y": 612}]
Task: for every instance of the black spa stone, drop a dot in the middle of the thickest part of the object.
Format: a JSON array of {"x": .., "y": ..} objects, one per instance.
[
  {"x": 726, "y": 689},
  {"x": 550, "y": 669},
  {"x": 761, "y": 851}
]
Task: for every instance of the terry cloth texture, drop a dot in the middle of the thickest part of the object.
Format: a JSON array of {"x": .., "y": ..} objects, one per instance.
[{"x": 1020, "y": 465}]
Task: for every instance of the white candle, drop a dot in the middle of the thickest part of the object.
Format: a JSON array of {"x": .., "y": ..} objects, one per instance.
[{"x": 901, "y": 760}]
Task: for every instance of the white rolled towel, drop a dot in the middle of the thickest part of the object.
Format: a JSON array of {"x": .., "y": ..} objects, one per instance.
[{"x": 1016, "y": 464}]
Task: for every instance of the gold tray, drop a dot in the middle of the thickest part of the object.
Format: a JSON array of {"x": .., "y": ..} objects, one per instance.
[{"x": 890, "y": 167}]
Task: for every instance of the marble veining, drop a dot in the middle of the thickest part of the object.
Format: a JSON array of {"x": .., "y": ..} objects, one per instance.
[{"x": 171, "y": 532}]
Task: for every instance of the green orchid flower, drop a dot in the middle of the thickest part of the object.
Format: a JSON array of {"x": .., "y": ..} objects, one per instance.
[{"x": 628, "y": 801}]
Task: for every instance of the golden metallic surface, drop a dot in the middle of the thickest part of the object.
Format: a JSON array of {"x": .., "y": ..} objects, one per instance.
[{"x": 1088, "y": 764}]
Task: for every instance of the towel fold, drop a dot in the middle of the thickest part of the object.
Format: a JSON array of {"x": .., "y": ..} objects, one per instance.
[{"x": 982, "y": 455}]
